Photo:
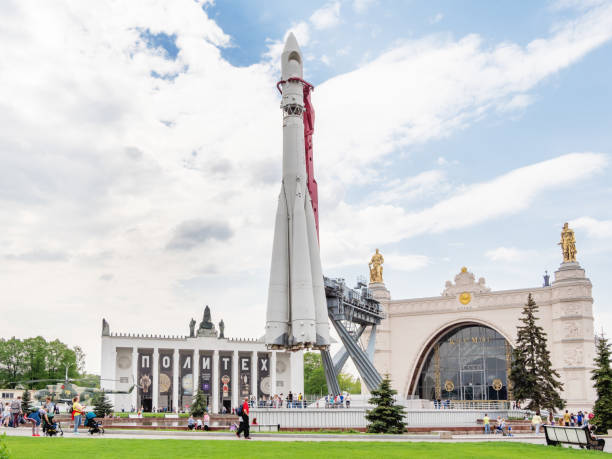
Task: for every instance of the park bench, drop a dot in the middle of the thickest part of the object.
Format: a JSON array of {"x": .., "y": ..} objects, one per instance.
[
  {"x": 264, "y": 427},
  {"x": 579, "y": 436}
]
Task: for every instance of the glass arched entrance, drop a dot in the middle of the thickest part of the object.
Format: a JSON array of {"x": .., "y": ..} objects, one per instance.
[{"x": 470, "y": 362}]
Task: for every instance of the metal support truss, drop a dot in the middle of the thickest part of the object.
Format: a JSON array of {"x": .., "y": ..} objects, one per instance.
[
  {"x": 331, "y": 375},
  {"x": 364, "y": 365}
]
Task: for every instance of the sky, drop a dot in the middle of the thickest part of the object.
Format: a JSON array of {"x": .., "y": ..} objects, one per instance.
[{"x": 140, "y": 153}]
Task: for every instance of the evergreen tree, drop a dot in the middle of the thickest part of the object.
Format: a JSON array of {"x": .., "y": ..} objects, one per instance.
[
  {"x": 101, "y": 404},
  {"x": 602, "y": 375},
  {"x": 26, "y": 402},
  {"x": 532, "y": 375},
  {"x": 386, "y": 416},
  {"x": 198, "y": 406}
]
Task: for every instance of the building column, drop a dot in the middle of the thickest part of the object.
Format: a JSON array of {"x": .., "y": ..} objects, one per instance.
[
  {"x": 175, "y": 380},
  {"x": 135, "y": 362},
  {"x": 155, "y": 401},
  {"x": 235, "y": 385},
  {"x": 273, "y": 374},
  {"x": 215, "y": 382},
  {"x": 195, "y": 371},
  {"x": 254, "y": 371}
]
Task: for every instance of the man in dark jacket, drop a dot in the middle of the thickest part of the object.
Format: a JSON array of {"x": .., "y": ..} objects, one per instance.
[{"x": 244, "y": 420}]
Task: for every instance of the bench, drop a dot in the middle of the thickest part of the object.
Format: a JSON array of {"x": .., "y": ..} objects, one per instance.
[
  {"x": 264, "y": 427},
  {"x": 579, "y": 436}
]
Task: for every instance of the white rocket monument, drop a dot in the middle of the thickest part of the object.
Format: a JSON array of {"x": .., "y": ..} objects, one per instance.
[{"x": 297, "y": 308}]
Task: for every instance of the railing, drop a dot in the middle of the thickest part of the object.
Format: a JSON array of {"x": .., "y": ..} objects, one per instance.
[
  {"x": 472, "y": 405},
  {"x": 355, "y": 417}
]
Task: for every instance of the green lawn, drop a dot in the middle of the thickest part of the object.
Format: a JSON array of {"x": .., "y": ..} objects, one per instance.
[{"x": 50, "y": 448}]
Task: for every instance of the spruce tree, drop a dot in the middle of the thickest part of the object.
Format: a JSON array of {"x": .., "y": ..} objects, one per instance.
[
  {"x": 386, "y": 416},
  {"x": 532, "y": 375},
  {"x": 198, "y": 406},
  {"x": 26, "y": 402},
  {"x": 602, "y": 375},
  {"x": 101, "y": 405}
]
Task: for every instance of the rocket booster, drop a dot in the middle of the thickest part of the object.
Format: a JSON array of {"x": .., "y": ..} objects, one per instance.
[{"x": 297, "y": 308}]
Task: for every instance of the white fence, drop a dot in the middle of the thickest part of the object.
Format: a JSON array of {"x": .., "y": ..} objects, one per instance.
[{"x": 313, "y": 418}]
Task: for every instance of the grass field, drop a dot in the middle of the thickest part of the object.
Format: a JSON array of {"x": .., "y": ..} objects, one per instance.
[{"x": 51, "y": 448}]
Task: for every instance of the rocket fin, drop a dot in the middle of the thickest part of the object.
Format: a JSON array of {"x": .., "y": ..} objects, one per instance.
[
  {"x": 318, "y": 289},
  {"x": 303, "y": 328},
  {"x": 277, "y": 315}
]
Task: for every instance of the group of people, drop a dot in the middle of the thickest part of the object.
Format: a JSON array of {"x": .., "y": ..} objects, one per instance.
[
  {"x": 567, "y": 419},
  {"x": 500, "y": 426},
  {"x": 13, "y": 415},
  {"x": 199, "y": 424},
  {"x": 337, "y": 401},
  {"x": 280, "y": 401}
]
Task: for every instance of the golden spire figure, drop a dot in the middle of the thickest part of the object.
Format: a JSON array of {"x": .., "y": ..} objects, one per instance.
[
  {"x": 568, "y": 244},
  {"x": 376, "y": 268}
]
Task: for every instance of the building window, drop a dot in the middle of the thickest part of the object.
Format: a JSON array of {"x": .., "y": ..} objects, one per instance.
[{"x": 467, "y": 363}]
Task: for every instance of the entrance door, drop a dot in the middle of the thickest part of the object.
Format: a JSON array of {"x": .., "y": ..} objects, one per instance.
[{"x": 472, "y": 382}]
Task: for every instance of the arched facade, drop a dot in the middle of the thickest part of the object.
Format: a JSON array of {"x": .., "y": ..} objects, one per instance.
[
  {"x": 466, "y": 361},
  {"x": 406, "y": 339}
]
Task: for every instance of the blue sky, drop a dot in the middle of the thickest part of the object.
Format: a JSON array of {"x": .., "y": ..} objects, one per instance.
[{"x": 140, "y": 151}]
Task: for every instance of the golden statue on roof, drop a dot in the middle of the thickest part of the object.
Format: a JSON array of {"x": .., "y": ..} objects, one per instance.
[
  {"x": 568, "y": 244},
  {"x": 376, "y": 268}
]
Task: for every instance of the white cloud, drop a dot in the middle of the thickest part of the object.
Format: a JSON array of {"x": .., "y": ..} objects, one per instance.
[
  {"x": 509, "y": 254},
  {"x": 398, "y": 190},
  {"x": 405, "y": 262},
  {"x": 439, "y": 86},
  {"x": 593, "y": 227},
  {"x": 325, "y": 60},
  {"x": 374, "y": 225},
  {"x": 437, "y": 18},
  {"x": 361, "y": 6},
  {"x": 326, "y": 17}
]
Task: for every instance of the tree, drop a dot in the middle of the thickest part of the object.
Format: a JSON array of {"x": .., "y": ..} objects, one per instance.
[
  {"x": 198, "y": 406},
  {"x": 386, "y": 416},
  {"x": 314, "y": 375},
  {"x": 349, "y": 383},
  {"x": 602, "y": 375},
  {"x": 101, "y": 405},
  {"x": 26, "y": 402},
  {"x": 532, "y": 375}
]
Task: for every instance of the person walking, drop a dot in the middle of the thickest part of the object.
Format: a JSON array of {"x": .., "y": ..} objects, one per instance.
[
  {"x": 566, "y": 418},
  {"x": 206, "y": 421},
  {"x": 16, "y": 411},
  {"x": 6, "y": 415},
  {"x": 487, "y": 424},
  {"x": 244, "y": 420},
  {"x": 77, "y": 412},
  {"x": 536, "y": 422}
]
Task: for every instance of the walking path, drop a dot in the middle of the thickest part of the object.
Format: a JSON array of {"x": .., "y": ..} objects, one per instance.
[{"x": 161, "y": 435}]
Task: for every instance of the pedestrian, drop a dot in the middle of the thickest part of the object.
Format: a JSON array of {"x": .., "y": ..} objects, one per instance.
[
  {"x": 579, "y": 418},
  {"x": 16, "y": 410},
  {"x": 36, "y": 417},
  {"x": 199, "y": 424},
  {"x": 206, "y": 421},
  {"x": 566, "y": 418},
  {"x": 243, "y": 412},
  {"x": 190, "y": 422},
  {"x": 77, "y": 412},
  {"x": 290, "y": 400},
  {"x": 536, "y": 422},
  {"x": 487, "y": 424},
  {"x": 347, "y": 400},
  {"x": 6, "y": 415}
]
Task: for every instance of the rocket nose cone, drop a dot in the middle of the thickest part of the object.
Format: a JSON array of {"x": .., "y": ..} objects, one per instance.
[
  {"x": 291, "y": 59},
  {"x": 291, "y": 44}
]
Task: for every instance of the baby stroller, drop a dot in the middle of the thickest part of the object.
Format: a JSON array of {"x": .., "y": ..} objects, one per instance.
[
  {"x": 52, "y": 427},
  {"x": 94, "y": 426}
]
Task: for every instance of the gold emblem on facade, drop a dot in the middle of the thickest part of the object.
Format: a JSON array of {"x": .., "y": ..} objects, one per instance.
[
  {"x": 449, "y": 386},
  {"x": 465, "y": 297},
  {"x": 497, "y": 384},
  {"x": 376, "y": 268}
]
